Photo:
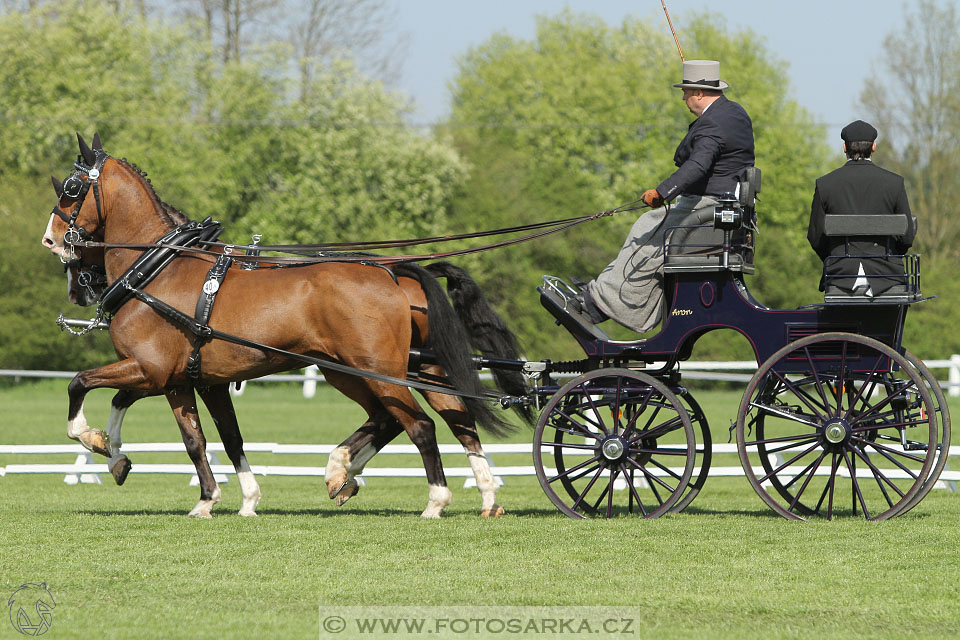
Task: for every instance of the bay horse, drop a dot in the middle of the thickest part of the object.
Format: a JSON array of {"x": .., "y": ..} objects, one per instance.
[{"x": 349, "y": 313}]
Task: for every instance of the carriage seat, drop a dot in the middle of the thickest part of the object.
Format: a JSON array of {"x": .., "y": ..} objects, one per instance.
[
  {"x": 700, "y": 247},
  {"x": 869, "y": 239}
]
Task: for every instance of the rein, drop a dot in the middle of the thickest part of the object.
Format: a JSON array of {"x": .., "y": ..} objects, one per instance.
[{"x": 545, "y": 229}]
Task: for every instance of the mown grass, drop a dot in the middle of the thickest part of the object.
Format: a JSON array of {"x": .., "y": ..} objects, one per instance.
[{"x": 126, "y": 562}]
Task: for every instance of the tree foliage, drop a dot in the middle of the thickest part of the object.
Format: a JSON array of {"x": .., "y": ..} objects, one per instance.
[
  {"x": 227, "y": 140},
  {"x": 584, "y": 118},
  {"x": 910, "y": 102}
]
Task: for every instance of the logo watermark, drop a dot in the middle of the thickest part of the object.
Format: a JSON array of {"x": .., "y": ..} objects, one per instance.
[
  {"x": 479, "y": 622},
  {"x": 30, "y": 609}
]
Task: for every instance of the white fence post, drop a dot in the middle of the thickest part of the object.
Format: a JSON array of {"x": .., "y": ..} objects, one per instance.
[
  {"x": 954, "y": 378},
  {"x": 310, "y": 383}
]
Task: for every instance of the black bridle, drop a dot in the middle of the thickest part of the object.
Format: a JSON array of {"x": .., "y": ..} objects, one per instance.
[{"x": 75, "y": 188}]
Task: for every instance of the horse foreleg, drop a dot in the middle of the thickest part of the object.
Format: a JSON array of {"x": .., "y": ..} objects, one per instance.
[
  {"x": 125, "y": 374},
  {"x": 118, "y": 463},
  {"x": 184, "y": 405},
  {"x": 218, "y": 401}
]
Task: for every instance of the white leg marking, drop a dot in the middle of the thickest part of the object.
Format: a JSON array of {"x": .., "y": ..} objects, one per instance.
[
  {"x": 486, "y": 485},
  {"x": 114, "y": 425},
  {"x": 77, "y": 426},
  {"x": 440, "y": 497},
  {"x": 202, "y": 510},
  {"x": 248, "y": 488}
]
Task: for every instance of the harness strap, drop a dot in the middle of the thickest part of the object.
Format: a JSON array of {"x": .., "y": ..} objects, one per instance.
[
  {"x": 205, "y": 332},
  {"x": 204, "y": 308},
  {"x": 148, "y": 265}
]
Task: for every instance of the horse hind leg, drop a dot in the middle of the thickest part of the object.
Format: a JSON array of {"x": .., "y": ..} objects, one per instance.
[
  {"x": 455, "y": 414},
  {"x": 184, "y": 405},
  {"x": 218, "y": 402},
  {"x": 351, "y": 456}
]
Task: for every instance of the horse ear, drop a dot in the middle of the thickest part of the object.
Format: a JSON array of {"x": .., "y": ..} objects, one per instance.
[
  {"x": 89, "y": 156},
  {"x": 96, "y": 142},
  {"x": 57, "y": 186}
]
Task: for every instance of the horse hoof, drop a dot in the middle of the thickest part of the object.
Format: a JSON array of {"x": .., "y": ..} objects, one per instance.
[
  {"x": 495, "y": 512},
  {"x": 335, "y": 485},
  {"x": 349, "y": 489},
  {"x": 120, "y": 469},
  {"x": 247, "y": 513},
  {"x": 96, "y": 440},
  {"x": 201, "y": 513}
]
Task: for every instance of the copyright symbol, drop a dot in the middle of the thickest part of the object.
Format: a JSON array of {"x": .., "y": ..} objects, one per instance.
[{"x": 334, "y": 624}]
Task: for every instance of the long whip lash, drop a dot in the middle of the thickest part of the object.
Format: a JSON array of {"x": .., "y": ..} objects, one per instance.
[{"x": 670, "y": 22}]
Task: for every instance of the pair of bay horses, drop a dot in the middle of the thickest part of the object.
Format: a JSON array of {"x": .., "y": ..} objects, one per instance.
[{"x": 358, "y": 315}]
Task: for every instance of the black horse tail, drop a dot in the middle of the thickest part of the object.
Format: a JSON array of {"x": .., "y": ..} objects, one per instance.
[
  {"x": 487, "y": 330},
  {"x": 449, "y": 341}
]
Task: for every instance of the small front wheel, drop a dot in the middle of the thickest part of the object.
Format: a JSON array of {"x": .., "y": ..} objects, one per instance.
[{"x": 614, "y": 442}]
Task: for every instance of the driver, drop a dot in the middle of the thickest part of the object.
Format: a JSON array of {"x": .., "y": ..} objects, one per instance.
[{"x": 711, "y": 159}]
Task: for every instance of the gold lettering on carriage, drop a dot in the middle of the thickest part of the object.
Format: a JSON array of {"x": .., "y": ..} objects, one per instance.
[{"x": 682, "y": 312}]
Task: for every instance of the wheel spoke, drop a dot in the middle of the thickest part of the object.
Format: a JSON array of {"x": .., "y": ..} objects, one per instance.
[
  {"x": 575, "y": 468},
  {"x": 878, "y": 474},
  {"x": 649, "y": 476},
  {"x": 786, "y": 414},
  {"x": 883, "y": 451},
  {"x": 665, "y": 469},
  {"x": 871, "y": 383},
  {"x": 589, "y": 486},
  {"x": 628, "y": 478},
  {"x": 816, "y": 378},
  {"x": 581, "y": 429},
  {"x": 596, "y": 412},
  {"x": 803, "y": 487},
  {"x": 858, "y": 495},
  {"x": 802, "y": 395},
  {"x": 789, "y": 462}
]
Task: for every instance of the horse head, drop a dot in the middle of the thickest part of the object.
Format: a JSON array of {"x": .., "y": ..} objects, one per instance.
[
  {"x": 76, "y": 218},
  {"x": 86, "y": 276}
]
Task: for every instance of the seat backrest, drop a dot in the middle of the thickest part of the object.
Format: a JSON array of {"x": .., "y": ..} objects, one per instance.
[
  {"x": 837, "y": 224},
  {"x": 749, "y": 187}
]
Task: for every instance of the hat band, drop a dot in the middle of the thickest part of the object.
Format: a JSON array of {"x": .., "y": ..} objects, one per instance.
[{"x": 712, "y": 83}]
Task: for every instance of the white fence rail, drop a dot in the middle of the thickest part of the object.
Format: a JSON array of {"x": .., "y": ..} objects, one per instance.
[
  {"x": 692, "y": 370},
  {"x": 84, "y": 470}
]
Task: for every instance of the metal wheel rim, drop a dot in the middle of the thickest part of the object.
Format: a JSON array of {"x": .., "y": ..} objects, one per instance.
[
  {"x": 563, "y": 422},
  {"x": 856, "y": 450}
]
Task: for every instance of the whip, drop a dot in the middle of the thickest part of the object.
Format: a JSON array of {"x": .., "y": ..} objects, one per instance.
[{"x": 670, "y": 22}]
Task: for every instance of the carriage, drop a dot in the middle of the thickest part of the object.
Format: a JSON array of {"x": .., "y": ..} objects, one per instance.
[{"x": 839, "y": 419}]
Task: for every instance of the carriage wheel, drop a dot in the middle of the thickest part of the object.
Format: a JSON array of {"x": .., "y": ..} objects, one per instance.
[
  {"x": 943, "y": 429},
  {"x": 704, "y": 452},
  {"x": 842, "y": 437},
  {"x": 614, "y": 442}
]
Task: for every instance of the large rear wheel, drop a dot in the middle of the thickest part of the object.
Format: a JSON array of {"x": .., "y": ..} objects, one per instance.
[{"x": 853, "y": 432}]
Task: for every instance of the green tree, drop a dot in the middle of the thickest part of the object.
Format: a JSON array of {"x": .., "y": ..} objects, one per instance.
[
  {"x": 346, "y": 166},
  {"x": 584, "y": 118},
  {"x": 919, "y": 138},
  {"x": 229, "y": 141}
]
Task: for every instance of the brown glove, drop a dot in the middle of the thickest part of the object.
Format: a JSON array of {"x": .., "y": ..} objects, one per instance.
[{"x": 652, "y": 199}]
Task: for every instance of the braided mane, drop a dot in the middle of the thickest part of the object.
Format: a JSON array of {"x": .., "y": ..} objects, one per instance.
[{"x": 174, "y": 215}]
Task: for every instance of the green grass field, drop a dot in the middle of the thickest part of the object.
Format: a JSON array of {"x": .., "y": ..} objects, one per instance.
[{"x": 127, "y": 562}]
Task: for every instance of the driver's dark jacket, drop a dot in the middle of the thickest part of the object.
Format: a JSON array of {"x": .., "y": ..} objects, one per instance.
[{"x": 714, "y": 154}]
